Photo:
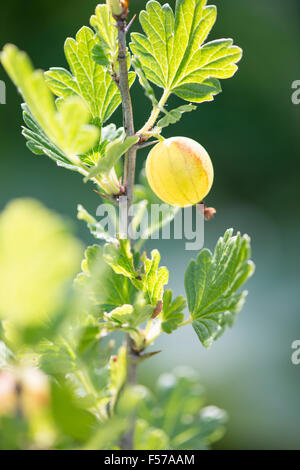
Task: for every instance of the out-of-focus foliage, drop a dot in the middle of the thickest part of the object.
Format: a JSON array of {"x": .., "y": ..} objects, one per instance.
[
  {"x": 66, "y": 126},
  {"x": 174, "y": 416},
  {"x": 61, "y": 387},
  {"x": 38, "y": 259}
]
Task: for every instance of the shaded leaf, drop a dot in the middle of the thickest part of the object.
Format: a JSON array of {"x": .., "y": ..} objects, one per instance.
[
  {"x": 149, "y": 92},
  {"x": 103, "y": 288},
  {"x": 175, "y": 115},
  {"x": 177, "y": 409},
  {"x": 71, "y": 419},
  {"x": 99, "y": 55},
  {"x": 211, "y": 284},
  {"x": 113, "y": 152},
  {"x": 172, "y": 313},
  {"x": 96, "y": 228},
  {"x": 147, "y": 437}
]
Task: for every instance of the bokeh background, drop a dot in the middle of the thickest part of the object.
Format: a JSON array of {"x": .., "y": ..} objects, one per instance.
[{"x": 252, "y": 132}]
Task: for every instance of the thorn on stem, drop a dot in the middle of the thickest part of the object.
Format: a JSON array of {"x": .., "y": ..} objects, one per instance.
[
  {"x": 130, "y": 23},
  {"x": 147, "y": 144},
  {"x": 105, "y": 196}
]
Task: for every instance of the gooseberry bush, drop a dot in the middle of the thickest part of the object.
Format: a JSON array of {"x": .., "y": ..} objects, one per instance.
[{"x": 69, "y": 351}]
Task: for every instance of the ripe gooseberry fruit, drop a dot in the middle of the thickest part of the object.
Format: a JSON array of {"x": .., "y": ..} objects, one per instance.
[{"x": 179, "y": 171}]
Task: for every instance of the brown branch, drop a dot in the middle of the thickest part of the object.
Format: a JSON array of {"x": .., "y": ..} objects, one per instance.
[
  {"x": 130, "y": 158},
  {"x": 129, "y": 175}
]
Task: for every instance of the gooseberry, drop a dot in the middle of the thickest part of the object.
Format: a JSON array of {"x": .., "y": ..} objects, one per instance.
[{"x": 179, "y": 171}]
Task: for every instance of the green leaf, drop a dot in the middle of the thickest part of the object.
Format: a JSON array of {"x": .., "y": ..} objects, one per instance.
[
  {"x": 104, "y": 24},
  {"x": 149, "y": 92},
  {"x": 172, "y": 53},
  {"x": 96, "y": 228},
  {"x": 155, "y": 278},
  {"x": 56, "y": 360},
  {"x": 129, "y": 317},
  {"x": 89, "y": 80},
  {"x": 6, "y": 356},
  {"x": 111, "y": 132},
  {"x": 99, "y": 55},
  {"x": 211, "y": 284},
  {"x": 175, "y": 115},
  {"x": 172, "y": 313},
  {"x": 78, "y": 137},
  {"x": 155, "y": 49},
  {"x": 38, "y": 259},
  {"x": 199, "y": 92},
  {"x": 69, "y": 417},
  {"x": 113, "y": 152},
  {"x": 151, "y": 281},
  {"x": 101, "y": 286},
  {"x": 120, "y": 259},
  {"x": 38, "y": 142},
  {"x": 147, "y": 437},
  {"x": 107, "y": 434},
  {"x": 118, "y": 374},
  {"x": 141, "y": 311},
  {"x": 177, "y": 409},
  {"x": 121, "y": 314},
  {"x": 67, "y": 127}
]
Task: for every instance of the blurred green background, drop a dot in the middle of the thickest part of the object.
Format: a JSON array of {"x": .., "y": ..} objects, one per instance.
[{"x": 252, "y": 132}]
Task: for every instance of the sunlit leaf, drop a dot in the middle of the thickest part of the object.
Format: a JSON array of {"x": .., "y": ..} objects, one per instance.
[
  {"x": 155, "y": 277},
  {"x": 89, "y": 80},
  {"x": 67, "y": 127},
  {"x": 172, "y": 53},
  {"x": 113, "y": 152},
  {"x": 38, "y": 256}
]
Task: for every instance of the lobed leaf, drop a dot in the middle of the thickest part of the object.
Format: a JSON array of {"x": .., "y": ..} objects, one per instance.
[
  {"x": 155, "y": 278},
  {"x": 104, "y": 24},
  {"x": 172, "y": 53},
  {"x": 177, "y": 411},
  {"x": 67, "y": 127},
  {"x": 212, "y": 282},
  {"x": 172, "y": 313},
  {"x": 89, "y": 80},
  {"x": 174, "y": 115},
  {"x": 113, "y": 152},
  {"x": 120, "y": 259},
  {"x": 103, "y": 287},
  {"x": 94, "y": 226},
  {"x": 38, "y": 260},
  {"x": 38, "y": 142}
]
